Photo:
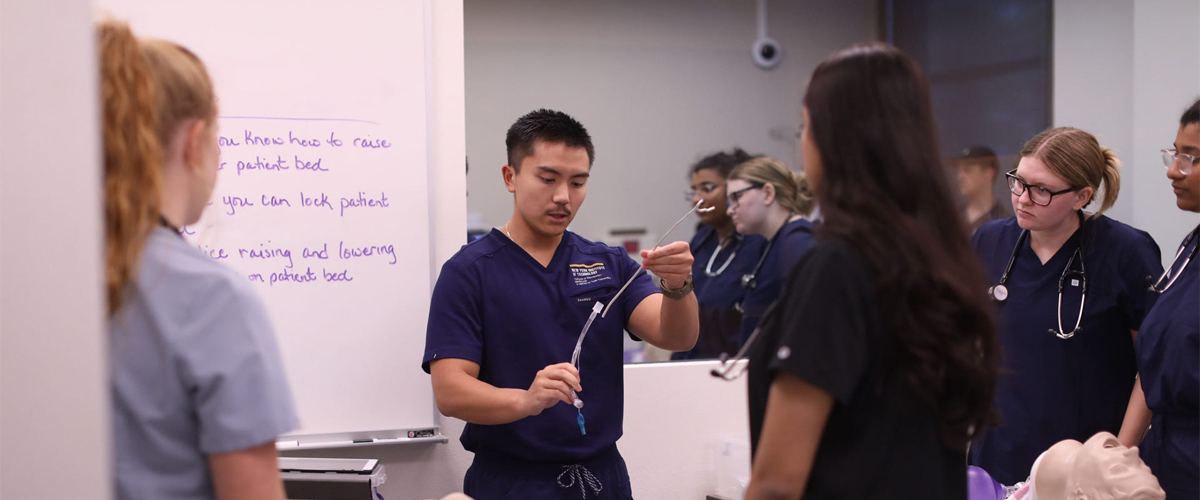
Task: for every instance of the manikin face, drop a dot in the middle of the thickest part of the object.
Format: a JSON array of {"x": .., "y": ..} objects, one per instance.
[
  {"x": 1107, "y": 467},
  {"x": 1099, "y": 469}
]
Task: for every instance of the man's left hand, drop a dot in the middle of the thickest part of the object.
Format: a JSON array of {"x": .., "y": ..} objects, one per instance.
[{"x": 672, "y": 263}]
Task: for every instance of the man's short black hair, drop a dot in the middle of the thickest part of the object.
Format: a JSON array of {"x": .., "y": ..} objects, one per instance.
[
  {"x": 549, "y": 126},
  {"x": 1192, "y": 115}
]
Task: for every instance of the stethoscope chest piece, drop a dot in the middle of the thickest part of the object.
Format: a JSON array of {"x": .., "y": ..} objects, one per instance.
[
  {"x": 999, "y": 293},
  {"x": 1064, "y": 336}
]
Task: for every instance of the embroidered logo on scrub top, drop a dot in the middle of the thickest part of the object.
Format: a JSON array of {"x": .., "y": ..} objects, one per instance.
[{"x": 587, "y": 274}]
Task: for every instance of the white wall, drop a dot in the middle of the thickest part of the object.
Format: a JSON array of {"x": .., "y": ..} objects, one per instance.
[
  {"x": 53, "y": 379},
  {"x": 1093, "y": 81},
  {"x": 1126, "y": 71},
  {"x": 1166, "y": 79},
  {"x": 658, "y": 84}
]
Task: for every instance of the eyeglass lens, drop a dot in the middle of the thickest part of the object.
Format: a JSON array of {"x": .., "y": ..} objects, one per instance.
[
  {"x": 1186, "y": 161},
  {"x": 732, "y": 199},
  {"x": 1037, "y": 194},
  {"x": 706, "y": 189}
]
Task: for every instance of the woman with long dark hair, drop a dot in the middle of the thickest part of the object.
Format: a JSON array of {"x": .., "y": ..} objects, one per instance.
[{"x": 879, "y": 361}]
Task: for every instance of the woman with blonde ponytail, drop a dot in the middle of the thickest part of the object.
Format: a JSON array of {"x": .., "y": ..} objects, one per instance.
[
  {"x": 1069, "y": 287},
  {"x": 767, "y": 199},
  {"x": 199, "y": 394}
]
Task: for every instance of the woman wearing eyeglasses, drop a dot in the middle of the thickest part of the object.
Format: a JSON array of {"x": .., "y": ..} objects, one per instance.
[
  {"x": 722, "y": 255},
  {"x": 880, "y": 356},
  {"x": 1168, "y": 346},
  {"x": 768, "y": 200},
  {"x": 1070, "y": 291}
]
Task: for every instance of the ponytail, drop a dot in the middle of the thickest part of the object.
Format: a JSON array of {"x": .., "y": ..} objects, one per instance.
[
  {"x": 804, "y": 194},
  {"x": 792, "y": 190},
  {"x": 132, "y": 156},
  {"x": 1111, "y": 179}
]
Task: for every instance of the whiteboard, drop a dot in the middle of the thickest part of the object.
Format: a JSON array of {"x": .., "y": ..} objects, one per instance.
[{"x": 322, "y": 201}]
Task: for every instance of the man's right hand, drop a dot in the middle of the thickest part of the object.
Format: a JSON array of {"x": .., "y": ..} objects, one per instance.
[{"x": 551, "y": 385}]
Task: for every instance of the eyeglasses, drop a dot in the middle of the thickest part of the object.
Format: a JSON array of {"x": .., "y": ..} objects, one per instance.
[
  {"x": 1186, "y": 161},
  {"x": 1038, "y": 194},
  {"x": 732, "y": 199},
  {"x": 706, "y": 188}
]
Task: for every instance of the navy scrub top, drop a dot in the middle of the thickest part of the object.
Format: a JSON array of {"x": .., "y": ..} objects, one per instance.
[
  {"x": 1051, "y": 389},
  {"x": 793, "y": 241},
  {"x": 1168, "y": 354},
  {"x": 495, "y": 305},
  {"x": 719, "y": 296}
]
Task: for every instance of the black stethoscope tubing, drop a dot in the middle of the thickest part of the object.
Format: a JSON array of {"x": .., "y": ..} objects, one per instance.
[
  {"x": 750, "y": 281},
  {"x": 1167, "y": 273},
  {"x": 999, "y": 291}
]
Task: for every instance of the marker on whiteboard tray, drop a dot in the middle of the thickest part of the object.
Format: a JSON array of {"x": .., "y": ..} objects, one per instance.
[{"x": 422, "y": 433}]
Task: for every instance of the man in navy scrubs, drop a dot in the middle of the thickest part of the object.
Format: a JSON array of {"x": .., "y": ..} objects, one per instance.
[{"x": 508, "y": 309}]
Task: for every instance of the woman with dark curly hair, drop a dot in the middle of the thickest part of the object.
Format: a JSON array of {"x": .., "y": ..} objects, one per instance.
[
  {"x": 722, "y": 256},
  {"x": 879, "y": 361}
]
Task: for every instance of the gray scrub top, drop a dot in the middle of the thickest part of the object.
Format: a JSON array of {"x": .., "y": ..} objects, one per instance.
[{"x": 195, "y": 372}]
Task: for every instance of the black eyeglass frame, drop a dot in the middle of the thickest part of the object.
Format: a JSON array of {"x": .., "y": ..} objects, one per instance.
[
  {"x": 1011, "y": 175},
  {"x": 732, "y": 198}
]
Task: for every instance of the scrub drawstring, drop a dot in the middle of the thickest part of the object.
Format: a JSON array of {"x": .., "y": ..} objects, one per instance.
[{"x": 578, "y": 474}]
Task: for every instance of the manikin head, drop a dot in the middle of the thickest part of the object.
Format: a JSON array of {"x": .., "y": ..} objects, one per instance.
[{"x": 1099, "y": 469}]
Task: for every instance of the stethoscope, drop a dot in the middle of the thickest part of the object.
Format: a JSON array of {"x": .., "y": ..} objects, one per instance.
[
  {"x": 729, "y": 369},
  {"x": 750, "y": 281},
  {"x": 1186, "y": 241},
  {"x": 999, "y": 291},
  {"x": 708, "y": 271}
]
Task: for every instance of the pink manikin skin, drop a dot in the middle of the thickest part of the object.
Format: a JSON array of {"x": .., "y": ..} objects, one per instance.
[{"x": 1099, "y": 469}]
